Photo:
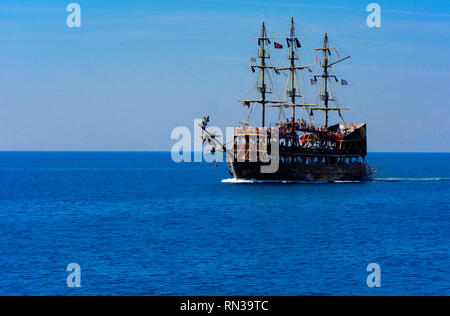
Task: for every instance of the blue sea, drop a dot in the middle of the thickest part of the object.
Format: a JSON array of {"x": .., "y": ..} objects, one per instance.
[{"x": 140, "y": 224}]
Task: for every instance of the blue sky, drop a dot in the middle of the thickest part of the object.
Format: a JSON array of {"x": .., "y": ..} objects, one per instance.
[{"x": 137, "y": 69}]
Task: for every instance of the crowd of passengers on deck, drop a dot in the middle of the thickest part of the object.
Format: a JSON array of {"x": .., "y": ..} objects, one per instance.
[{"x": 289, "y": 127}]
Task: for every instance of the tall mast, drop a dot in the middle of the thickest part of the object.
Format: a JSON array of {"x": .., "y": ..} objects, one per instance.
[
  {"x": 325, "y": 64},
  {"x": 292, "y": 70},
  {"x": 325, "y": 93},
  {"x": 263, "y": 40},
  {"x": 262, "y": 56},
  {"x": 292, "y": 90}
]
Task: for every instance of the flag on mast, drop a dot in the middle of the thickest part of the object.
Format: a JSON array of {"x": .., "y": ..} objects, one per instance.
[
  {"x": 253, "y": 60},
  {"x": 315, "y": 58},
  {"x": 277, "y": 45}
]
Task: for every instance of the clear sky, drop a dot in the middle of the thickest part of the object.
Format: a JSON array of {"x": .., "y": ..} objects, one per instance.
[{"x": 137, "y": 69}]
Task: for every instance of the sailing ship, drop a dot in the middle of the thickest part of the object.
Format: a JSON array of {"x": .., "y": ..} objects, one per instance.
[{"x": 304, "y": 151}]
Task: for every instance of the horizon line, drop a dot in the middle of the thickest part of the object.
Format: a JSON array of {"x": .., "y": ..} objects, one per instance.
[{"x": 169, "y": 151}]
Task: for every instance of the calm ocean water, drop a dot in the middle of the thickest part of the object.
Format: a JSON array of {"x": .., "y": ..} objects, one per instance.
[{"x": 137, "y": 223}]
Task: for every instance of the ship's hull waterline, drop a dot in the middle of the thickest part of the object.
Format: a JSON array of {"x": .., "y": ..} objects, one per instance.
[{"x": 287, "y": 172}]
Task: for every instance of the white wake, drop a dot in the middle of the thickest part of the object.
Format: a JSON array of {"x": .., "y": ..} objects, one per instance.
[
  {"x": 410, "y": 179},
  {"x": 247, "y": 181}
]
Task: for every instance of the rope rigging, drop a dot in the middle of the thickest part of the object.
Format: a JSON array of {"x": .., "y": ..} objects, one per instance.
[{"x": 265, "y": 85}]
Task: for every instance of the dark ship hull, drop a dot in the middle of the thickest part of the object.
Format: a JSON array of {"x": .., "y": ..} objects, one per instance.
[
  {"x": 320, "y": 156},
  {"x": 289, "y": 172}
]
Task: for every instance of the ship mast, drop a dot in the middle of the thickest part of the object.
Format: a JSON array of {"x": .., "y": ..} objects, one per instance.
[
  {"x": 263, "y": 42},
  {"x": 262, "y": 56},
  {"x": 292, "y": 56},
  {"x": 325, "y": 93},
  {"x": 292, "y": 90},
  {"x": 325, "y": 65}
]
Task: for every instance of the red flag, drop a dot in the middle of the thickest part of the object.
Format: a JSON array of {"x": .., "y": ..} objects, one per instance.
[
  {"x": 277, "y": 45},
  {"x": 337, "y": 53},
  {"x": 315, "y": 58}
]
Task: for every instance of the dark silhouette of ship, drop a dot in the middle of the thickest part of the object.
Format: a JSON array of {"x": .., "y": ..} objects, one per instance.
[{"x": 299, "y": 149}]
